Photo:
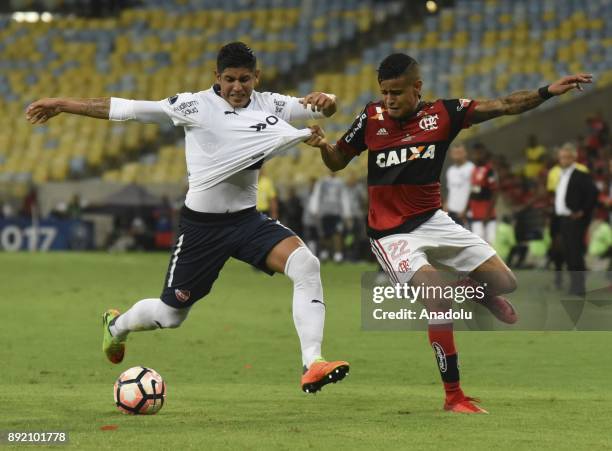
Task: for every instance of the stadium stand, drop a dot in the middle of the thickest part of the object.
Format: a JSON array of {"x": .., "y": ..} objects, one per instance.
[
  {"x": 146, "y": 52},
  {"x": 486, "y": 49},
  {"x": 154, "y": 48}
]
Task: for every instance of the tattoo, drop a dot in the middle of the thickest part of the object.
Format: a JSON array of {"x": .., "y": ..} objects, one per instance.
[
  {"x": 515, "y": 103},
  {"x": 98, "y": 107},
  {"x": 522, "y": 101}
]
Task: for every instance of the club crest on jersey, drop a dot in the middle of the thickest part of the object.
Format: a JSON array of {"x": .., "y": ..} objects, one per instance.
[
  {"x": 382, "y": 132},
  {"x": 399, "y": 156},
  {"x": 403, "y": 266},
  {"x": 429, "y": 122},
  {"x": 379, "y": 114},
  {"x": 182, "y": 295}
]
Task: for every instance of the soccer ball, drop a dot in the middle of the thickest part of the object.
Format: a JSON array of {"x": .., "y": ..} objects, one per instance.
[{"x": 139, "y": 391}]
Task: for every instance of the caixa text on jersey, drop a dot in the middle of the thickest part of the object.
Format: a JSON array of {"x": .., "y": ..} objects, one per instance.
[{"x": 399, "y": 156}]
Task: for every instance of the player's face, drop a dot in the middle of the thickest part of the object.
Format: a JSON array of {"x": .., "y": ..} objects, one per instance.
[
  {"x": 237, "y": 84},
  {"x": 401, "y": 95}
]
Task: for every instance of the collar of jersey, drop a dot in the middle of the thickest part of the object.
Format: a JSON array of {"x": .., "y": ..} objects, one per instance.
[
  {"x": 217, "y": 90},
  {"x": 403, "y": 121}
]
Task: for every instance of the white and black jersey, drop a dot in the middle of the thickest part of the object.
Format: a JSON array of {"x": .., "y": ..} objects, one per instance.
[{"x": 221, "y": 141}]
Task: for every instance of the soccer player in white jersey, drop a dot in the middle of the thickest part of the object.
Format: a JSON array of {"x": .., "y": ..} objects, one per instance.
[{"x": 229, "y": 130}]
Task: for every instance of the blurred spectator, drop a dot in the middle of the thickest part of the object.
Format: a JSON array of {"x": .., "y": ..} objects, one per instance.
[
  {"x": 505, "y": 241},
  {"x": 575, "y": 199},
  {"x": 536, "y": 156},
  {"x": 598, "y": 135},
  {"x": 458, "y": 184},
  {"x": 292, "y": 211},
  {"x": 356, "y": 240},
  {"x": 483, "y": 195},
  {"x": 309, "y": 220},
  {"x": 8, "y": 211},
  {"x": 30, "y": 203},
  {"x": 331, "y": 206},
  {"x": 73, "y": 209},
  {"x": 555, "y": 252},
  {"x": 267, "y": 200},
  {"x": 162, "y": 218}
]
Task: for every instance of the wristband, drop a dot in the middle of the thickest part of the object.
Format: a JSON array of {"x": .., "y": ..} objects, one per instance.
[{"x": 544, "y": 93}]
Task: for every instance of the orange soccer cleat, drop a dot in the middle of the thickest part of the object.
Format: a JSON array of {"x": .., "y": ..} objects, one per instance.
[
  {"x": 322, "y": 373},
  {"x": 465, "y": 405}
]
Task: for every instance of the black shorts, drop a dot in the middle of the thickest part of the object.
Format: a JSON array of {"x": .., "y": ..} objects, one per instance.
[
  {"x": 207, "y": 240},
  {"x": 331, "y": 225}
]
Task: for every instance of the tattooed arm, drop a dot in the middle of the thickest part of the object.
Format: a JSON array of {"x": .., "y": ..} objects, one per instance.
[
  {"x": 521, "y": 101},
  {"x": 42, "y": 110}
]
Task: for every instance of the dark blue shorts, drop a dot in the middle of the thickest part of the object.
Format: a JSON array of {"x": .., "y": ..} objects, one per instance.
[{"x": 207, "y": 240}]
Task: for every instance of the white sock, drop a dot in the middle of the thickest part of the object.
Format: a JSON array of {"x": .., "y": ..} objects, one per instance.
[
  {"x": 148, "y": 314},
  {"x": 303, "y": 269}
]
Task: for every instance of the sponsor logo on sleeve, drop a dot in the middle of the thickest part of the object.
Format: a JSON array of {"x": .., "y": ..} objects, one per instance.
[
  {"x": 358, "y": 126},
  {"x": 463, "y": 103},
  {"x": 187, "y": 108},
  {"x": 279, "y": 106}
]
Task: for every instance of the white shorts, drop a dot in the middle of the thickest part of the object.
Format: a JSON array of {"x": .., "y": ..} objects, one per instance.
[{"x": 439, "y": 241}]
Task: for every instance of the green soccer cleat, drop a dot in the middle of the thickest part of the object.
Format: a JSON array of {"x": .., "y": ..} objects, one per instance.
[{"x": 113, "y": 348}]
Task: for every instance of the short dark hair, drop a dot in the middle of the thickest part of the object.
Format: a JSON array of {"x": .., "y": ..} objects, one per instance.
[
  {"x": 236, "y": 54},
  {"x": 396, "y": 65}
]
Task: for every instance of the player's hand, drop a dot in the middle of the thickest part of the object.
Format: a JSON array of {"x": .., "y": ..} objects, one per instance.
[
  {"x": 568, "y": 83},
  {"x": 319, "y": 101},
  {"x": 42, "y": 110},
  {"x": 317, "y": 139}
]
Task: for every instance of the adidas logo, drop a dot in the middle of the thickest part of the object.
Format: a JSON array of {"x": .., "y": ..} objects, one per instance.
[{"x": 382, "y": 132}]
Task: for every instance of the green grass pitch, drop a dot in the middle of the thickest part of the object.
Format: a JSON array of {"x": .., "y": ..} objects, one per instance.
[{"x": 233, "y": 369}]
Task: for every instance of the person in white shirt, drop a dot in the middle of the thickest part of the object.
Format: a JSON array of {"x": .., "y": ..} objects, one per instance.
[
  {"x": 458, "y": 184},
  {"x": 330, "y": 204},
  {"x": 575, "y": 200},
  {"x": 229, "y": 130}
]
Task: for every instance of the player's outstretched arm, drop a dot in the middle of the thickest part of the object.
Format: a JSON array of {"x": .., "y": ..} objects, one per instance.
[
  {"x": 320, "y": 101},
  {"x": 333, "y": 158},
  {"x": 42, "y": 110},
  {"x": 521, "y": 101}
]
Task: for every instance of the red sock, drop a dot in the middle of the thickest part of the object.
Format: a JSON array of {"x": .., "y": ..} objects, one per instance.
[{"x": 443, "y": 343}]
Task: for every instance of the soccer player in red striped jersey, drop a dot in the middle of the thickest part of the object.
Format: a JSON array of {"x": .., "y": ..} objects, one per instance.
[{"x": 407, "y": 139}]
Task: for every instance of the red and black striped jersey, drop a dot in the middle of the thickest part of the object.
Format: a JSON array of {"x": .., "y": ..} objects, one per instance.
[
  {"x": 484, "y": 186},
  {"x": 405, "y": 160}
]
